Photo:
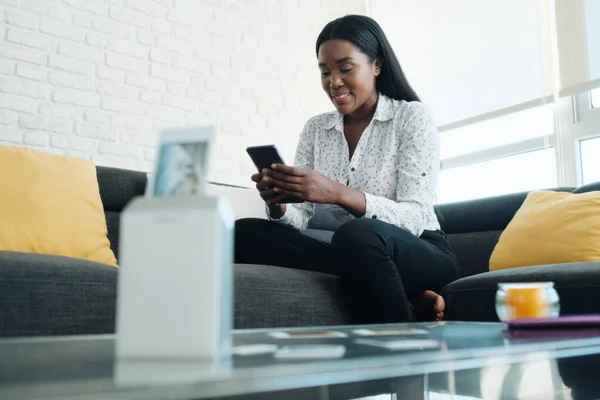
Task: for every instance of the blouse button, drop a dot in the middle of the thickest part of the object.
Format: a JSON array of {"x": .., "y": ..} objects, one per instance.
[
  {"x": 352, "y": 169},
  {"x": 374, "y": 217}
]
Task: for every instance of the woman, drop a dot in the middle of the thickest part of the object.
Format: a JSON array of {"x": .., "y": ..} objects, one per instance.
[{"x": 374, "y": 162}]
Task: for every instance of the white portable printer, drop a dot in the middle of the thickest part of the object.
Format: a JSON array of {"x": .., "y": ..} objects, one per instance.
[{"x": 175, "y": 290}]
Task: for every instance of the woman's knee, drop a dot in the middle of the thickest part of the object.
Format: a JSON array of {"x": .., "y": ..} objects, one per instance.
[
  {"x": 250, "y": 224},
  {"x": 355, "y": 234},
  {"x": 251, "y": 235}
]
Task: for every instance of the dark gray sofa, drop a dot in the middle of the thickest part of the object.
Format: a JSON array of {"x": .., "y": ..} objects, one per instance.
[{"x": 50, "y": 295}]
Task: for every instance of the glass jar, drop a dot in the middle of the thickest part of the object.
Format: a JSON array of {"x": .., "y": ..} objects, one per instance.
[{"x": 527, "y": 300}]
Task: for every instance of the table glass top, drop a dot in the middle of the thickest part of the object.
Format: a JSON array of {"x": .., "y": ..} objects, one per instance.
[{"x": 85, "y": 366}]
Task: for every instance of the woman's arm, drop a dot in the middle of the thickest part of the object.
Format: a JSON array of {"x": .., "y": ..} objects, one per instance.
[
  {"x": 352, "y": 200},
  {"x": 418, "y": 164},
  {"x": 298, "y": 215}
]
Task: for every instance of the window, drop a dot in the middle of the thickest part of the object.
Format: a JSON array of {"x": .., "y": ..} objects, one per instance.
[
  {"x": 595, "y": 98},
  {"x": 590, "y": 163},
  {"x": 504, "y": 101},
  {"x": 527, "y": 171},
  {"x": 512, "y": 128}
]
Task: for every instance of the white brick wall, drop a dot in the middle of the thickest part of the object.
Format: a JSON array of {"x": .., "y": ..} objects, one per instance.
[{"x": 98, "y": 78}]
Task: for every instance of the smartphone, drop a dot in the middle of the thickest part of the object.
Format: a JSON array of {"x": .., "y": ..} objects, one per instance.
[{"x": 265, "y": 156}]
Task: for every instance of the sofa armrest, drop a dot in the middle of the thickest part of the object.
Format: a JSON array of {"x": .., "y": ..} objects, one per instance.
[{"x": 245, "y": 202}]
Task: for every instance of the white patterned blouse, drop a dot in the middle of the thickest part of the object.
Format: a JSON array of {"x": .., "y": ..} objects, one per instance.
[{"x": 396, "y": 165}]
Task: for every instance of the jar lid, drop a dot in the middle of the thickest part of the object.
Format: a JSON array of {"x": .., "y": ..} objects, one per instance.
[{"x": 525, "y": 285}]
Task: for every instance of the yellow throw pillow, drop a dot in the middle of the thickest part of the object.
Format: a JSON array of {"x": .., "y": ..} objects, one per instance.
[
  {"x": 551, "y": 228},
  {"x": 51, "y": 205}
]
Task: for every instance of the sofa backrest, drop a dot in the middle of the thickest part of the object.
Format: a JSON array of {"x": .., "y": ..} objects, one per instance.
[
  {"x": 117, "y": 188},
  {"x": 482, "y": 215},
  {"x": 473, "y": 227}
]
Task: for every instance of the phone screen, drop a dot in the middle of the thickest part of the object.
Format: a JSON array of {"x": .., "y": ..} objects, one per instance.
[{"x": 264, "y": 156}]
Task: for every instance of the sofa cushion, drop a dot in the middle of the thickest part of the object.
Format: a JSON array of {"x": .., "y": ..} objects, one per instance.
[
  {"x": 323, "y": 219},
  {"x": 55, "y": 295},
  {"x": 473, "y": 251},
  {"x": 551, "y": 228},
  {"x": 119, "y": 186},
  {"x": 473, "y": 298},
  {"x": 51, "y": 204},
  {"x": 319, "y": 234},
  {"x": 267, "y": 296},
  {"x": 487, "y": 214},
  {"x": 590, "y": 187},
  {"x": 113, "y": 223}
]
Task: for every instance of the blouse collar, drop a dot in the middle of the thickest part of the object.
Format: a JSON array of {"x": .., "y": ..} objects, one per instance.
[{"x": 384, "y": 111}]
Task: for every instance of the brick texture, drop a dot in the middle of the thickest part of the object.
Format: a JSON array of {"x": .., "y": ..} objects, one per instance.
[{"x": 99, "y": 79}]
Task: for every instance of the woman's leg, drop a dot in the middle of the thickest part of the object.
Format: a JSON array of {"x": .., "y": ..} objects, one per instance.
[
  {"x": 382, "y": 267},
  {"x": 259, "y": 241}
]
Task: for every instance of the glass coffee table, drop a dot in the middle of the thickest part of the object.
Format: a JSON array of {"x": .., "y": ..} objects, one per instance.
[{"x": 425, "y": 360}]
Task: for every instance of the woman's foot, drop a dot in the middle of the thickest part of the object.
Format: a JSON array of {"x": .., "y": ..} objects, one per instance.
[{"x": 429, "y": 306}]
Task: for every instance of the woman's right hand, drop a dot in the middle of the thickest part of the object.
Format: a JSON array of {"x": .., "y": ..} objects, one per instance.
[{"x": 272, "y": 198}]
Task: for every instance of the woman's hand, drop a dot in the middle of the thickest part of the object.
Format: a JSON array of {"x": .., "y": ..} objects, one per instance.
[
  {"x": 270, "y": 197},
  {"x": 306, "y": 184}
]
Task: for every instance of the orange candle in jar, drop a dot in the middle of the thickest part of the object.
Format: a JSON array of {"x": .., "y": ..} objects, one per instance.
[{"x": 527, "y": 302}]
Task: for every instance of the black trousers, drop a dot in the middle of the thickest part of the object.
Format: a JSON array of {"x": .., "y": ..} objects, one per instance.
[{"x": 381, "y": 267}]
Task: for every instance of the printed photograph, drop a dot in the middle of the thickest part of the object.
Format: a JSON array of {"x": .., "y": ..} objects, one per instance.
[{"x": 181, "y": 169}]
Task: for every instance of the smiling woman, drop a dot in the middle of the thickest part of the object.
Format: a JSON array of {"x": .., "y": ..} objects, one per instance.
[{"x": 374, "y": 164}]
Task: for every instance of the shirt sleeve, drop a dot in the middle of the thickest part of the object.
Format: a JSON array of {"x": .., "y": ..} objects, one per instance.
[
  {"x": 418, "y": 164},
  {"x": 298, "y": 215}
]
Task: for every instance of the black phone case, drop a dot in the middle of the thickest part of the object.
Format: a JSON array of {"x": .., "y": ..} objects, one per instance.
[{"x": 265, "y": 156}]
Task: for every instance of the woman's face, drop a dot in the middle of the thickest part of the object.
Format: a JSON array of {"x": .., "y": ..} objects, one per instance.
[{"x": 347, "y": 75}]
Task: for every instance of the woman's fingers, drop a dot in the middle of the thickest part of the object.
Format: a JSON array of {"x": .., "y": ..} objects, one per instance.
[
  {"x": 268, "y": 194},
  {"x": 283, "y": 185},
  {"x": 291, "y": 193},
  {"x": 256, "y": 177},
  {"x": 277, "y": 199},
  {"x": 280, "y": 176},
  {"x": 262, "y": 185},
  {"x": 289, "y": 170}
]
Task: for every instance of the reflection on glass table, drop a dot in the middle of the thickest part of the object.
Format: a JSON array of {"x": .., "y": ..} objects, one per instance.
[
  {"x": 523, "y": 172},
  {"x": 478, "y": 360},
  {"x": 590, "y": 159}
]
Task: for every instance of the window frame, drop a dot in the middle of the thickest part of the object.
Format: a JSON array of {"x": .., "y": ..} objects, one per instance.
[
  {"x": 507, "y": 150},
  {"x": 575, "y": 120}
]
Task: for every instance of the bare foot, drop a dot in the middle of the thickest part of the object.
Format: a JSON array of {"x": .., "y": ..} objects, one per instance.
[{"x": 429, "y": 306}]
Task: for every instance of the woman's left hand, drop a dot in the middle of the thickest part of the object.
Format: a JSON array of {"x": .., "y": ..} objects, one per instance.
[{"x": 306, "y": 184}]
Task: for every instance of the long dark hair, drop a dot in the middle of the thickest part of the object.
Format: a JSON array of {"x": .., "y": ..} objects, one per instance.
[{"x": 366, "y": 34}]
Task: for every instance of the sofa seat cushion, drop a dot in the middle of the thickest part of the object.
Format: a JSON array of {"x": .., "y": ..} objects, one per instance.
[
  {"x": 54, "y": 295},
  {"x": 268, "y": 297},
  {"x": 44, "y": 295},
  {"x": 473, "y": 298}
]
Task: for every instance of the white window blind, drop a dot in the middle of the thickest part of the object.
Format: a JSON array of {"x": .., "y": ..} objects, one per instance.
[
  {"x": 578, "y": 42},
  {"x": 469, "y": 58}
]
